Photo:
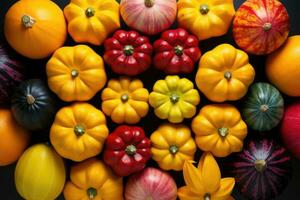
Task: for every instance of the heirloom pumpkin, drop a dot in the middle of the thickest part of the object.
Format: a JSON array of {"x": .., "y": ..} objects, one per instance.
[
  {"x": 174, "y": 99},
  {"x": 125, "y": 100},
  {"x": 92, "y": 21},
  {"x": 76, "y": 73},
  {"x": 79, "y": 131},
  {"x": 224, "y": 74},
  {"x": 205, "y": 18},
  {"x": 219, "y": 129},
  {"x": 149, "y": 16},
  {"x": 40, "y": 173},
  {"x": 92, "y": 179},
  {"x": 172, "y": 145},
  {"x": 36, "y": 28},
  {"x": 263, "y": 107}
]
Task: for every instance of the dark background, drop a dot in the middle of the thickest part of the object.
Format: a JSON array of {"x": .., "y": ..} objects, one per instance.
[{"x": 36, "y": 69}]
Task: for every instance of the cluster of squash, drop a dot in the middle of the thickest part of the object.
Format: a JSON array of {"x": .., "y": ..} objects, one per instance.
[{"x": 75, "y": 74}]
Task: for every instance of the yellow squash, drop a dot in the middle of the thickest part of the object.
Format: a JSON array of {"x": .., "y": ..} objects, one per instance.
[
  {"x": 40, "y": 173},
  {"x": 224, "y": 74},
  {"x": 219, "y": 129},
  {"x": 79, "y": 131},
  {"x": 205, "y": 18},
  {"x": 92, "y": 21},
  {"x": 125, "y": 100},
  {"x": 174, "y": 99},
  {"x": 76, "y": 73},
  {"x": 92, "y": 180},
  {"x": 172, "y": 145}
]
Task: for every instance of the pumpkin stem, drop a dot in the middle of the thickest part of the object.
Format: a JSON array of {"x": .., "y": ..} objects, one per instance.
[
  {"x": 223, "y": 132},
  {"x": 79, "y": 130},
  {"x": 74, "y": 73},
  {"x": 30, "y": 99},
  {"x": 173, "y": 149},
  {"x": 260, "y": 165},
  {"x": 174, "y": 98},
  {"x": 267, "y": 26},
  {"x": 178, "y": 50},
  {"x": 28, "y": 21},
  {"x": 206, "y": 197},
  {"x": 130, "y": 150},
  {"x": 228, "y": 75},
  {"x": 149, "y": 3},
  {"x": 264, "y": 108},
  {"x": 91, "y": 192},
  {"x": 128, "y": 50},
  {"x": 124, "y": 98},
  {"x": 149, "y": 198},
  {"x": 204, "y": 9},
  {"x": 90, "y": 12}
]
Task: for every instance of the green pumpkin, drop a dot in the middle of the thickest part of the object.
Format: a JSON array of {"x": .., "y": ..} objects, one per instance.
[{"x": 263, "y": 107}]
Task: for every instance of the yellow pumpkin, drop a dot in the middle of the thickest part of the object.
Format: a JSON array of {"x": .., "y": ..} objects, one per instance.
[
  {"x": 219, "y": 129},
  {"x": 78, "y": 131},
  {"x": 205, "y": 18},
  {"x": 92, "y": 179},
  {"x": 40, "y": 173},
  {"x": 174, "y": 99},
  {"x": 172, "y": 145},
  {"x": 224, "y": 74},
  {"x": 76, "y": 73},
  {"x": 125, "y": 100},
  {"x": 92, "y": 21}
]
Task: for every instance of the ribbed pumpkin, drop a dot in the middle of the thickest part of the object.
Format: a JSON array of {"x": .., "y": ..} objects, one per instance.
[{"x": 263, "y": 107}]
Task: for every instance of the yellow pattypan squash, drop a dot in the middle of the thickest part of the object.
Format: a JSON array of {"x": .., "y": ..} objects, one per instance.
[
  {"x": 174, "y": 99},
  {"x": 205, "y": 181},
  {"x": 219, "y": 129},
  {"x": 205, "y": 18},
  {"x": 172, "y": 145},
  {"x": 224, "y": 74},
  {"x": 92, "y": 21},
  {"x": 125, "y": 100},
  {"x": 76, "y": 73}
]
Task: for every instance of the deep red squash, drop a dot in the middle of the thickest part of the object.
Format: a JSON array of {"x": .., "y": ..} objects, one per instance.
[{"x": 261, "y": 26}]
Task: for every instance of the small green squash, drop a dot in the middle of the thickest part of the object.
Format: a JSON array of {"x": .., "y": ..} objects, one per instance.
[{"x": 263, "y": 107}]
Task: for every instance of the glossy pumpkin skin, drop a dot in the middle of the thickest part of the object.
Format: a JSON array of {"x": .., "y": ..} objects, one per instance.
[
  {"x": 78, "y": 132},
  {"x": 219, "y": 129},
  {"x": 205, "y": 18},
  {"x": 35, "y": 29},
  {"x": 263, "y": 107},
  {"x": 92, "y": 21},
  {"x": 262, "y": 170},
  {"x": 172, "y": 145},
  {"x": 285, "y": 79},
  {"x": 174, "y": 99},
  {"x": 13, "y": 138},
  {"x": 125, "y": 100},
  {"x": 76, "y": 73},
  {"x": 148, "y": 16},
  {"x": 224, "y": 74},
  {"x": 261, "y": 26},
  {"x": 92, "y": 179},
  {"x": 40, "y": 173},
  {"x": 33, "y": 105}
]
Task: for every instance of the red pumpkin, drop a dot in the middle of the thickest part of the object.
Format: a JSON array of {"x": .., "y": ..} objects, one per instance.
[
  {"x": 261, "y": 26},
  {"x": 290, "y": 129}
]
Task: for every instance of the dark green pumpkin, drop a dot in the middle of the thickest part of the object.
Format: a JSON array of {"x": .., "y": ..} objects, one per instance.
[
  {"x": 263, "y": 107},
  {"x": 33, "y": 105}
]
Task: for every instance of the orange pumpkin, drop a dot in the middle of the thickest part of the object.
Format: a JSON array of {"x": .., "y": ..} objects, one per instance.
[
  {"x": 36, "y": 28},
  {"x": 13, "y": 138}
]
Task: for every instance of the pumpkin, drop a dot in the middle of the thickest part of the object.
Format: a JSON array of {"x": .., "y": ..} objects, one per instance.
[
  {"x": 174, "y": 99},
  {"x": 76, "y": 73},
  {"x": 13, "y": 138},
  {"x": 78, "y": 131},
  {"x": 263, "y": 107},
  {"x": 35, "y": 29},
  {"x": 219, "y": 129},
  {"x": 261, "y": 26},
  {"x": 92, "y": 179},
  {"x": 262, "y": 170},
  {"x": 149, "y": 16},
  {"x": 125, "y": 100},
  {"x": 286, "y": 78},
  {"x": 172, "y": 145},
  {"x": 92, "y": 21},
  {"x": 40, "y": 173},
  {"x": 12, "y": 73},
  {"x": 205, "y": 18},
  {"x": 33, "y": 105},
  {"x": 224, "y": 74}
]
